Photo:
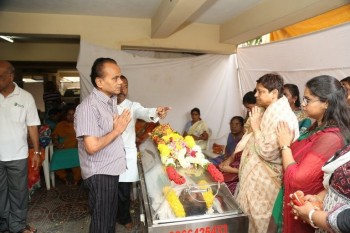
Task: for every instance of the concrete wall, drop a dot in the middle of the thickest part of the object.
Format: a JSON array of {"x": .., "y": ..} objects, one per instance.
[{"x": 108, "y": 32}]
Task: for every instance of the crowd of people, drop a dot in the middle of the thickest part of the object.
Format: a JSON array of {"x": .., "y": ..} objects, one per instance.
[{"x": 284, "y": 146}]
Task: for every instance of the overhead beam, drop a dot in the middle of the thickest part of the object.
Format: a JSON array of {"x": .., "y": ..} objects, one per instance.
[
  {"x": 271, "y": 15},
  {"x": 171, "y": 14}
]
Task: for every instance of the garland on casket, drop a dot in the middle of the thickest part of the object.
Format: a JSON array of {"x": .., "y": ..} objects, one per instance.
[
  {"x": 176, "y": 151},
  {"x": 176, "y": 205}
]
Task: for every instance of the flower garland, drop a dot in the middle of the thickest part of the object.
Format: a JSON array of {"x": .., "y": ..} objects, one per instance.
[
  {"x": 176, "y": 205},
  {"x": 183, "y": 152},
  {"x": 215, "y": 173},
  {"x": 174, "y": 176},
  {"x": 208, "y": 195},
  {"x": 174, "y": 202}
]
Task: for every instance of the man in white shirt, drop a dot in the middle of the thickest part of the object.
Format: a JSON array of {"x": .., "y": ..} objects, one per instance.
[
  {"x": 129, "y": 138},
  {"x": 18, "y": 117}
]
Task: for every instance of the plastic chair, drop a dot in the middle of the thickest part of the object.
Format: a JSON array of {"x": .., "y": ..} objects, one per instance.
[
  {"x": 46, "y": 166},
  {"x": 210, "y": 132},
  {"x": 45, "y": 141},
  {"x": 62, "y": 159}
]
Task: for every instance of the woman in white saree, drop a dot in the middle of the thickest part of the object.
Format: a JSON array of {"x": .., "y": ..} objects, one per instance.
[{"x": 198, "y": 129}]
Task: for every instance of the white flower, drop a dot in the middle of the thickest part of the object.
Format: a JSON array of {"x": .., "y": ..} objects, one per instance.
[
  {"x": 169, "y": 161},
  {"x": 182, "y": 160}
]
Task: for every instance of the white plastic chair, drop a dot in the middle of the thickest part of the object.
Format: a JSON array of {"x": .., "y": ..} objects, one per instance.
[{"x": 46, "y": 168}]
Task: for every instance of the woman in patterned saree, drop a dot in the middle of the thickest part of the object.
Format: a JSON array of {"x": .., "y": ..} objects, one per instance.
[
  {"x": 335, "y": 216},
  {"x": 260, "y": 171},
  {"x": 325, "y": 101}
]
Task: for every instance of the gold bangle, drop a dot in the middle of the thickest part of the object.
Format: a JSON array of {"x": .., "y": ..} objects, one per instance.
[{"x": 37, "y": 152}]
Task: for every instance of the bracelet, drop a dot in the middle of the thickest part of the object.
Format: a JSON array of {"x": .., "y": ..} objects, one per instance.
[
  {"x": 37, "y": 152},
  {"x": 310, "y": 218},
  {"x": 284, "y": 147}
]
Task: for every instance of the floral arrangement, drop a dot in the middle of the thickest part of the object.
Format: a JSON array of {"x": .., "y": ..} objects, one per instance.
[
  {"x": 174, "y": 201},
  {"x": 176, "y": 204},
  {"x": 208, "y": 195},
  {"x": 176, "y": 151}
]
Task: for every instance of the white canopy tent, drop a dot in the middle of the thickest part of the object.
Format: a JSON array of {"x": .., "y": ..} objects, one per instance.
[
  {"x": 208, "y": 82},
  {"x": 214, "y": 83},
  {"x": 299, "y": 59}
]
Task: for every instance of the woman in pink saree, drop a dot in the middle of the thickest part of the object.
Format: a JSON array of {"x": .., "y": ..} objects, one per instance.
[{"x": 325, "y": 101}]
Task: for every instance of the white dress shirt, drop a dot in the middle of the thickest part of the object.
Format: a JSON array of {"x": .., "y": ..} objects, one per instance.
[{"x": 137, "y": 111}]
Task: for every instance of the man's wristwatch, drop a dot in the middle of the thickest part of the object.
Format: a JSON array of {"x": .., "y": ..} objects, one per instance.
[{"x": 37, "y": 152}]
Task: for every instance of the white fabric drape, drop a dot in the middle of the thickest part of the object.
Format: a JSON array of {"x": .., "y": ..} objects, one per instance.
[
  {"x": 208, "y": 82},
  {"x": 298, "y": 60}
]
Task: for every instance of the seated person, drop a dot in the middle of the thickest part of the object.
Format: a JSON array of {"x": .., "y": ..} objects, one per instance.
[
  {"x": 198, "y": 129},
  {"x": 237, "y": 131},
  {"x": 53, "y": 117},
  {"x": 230, "y": 165},
  {"x": 64, "y": 137},
  {"x": 229, "y": 169}
]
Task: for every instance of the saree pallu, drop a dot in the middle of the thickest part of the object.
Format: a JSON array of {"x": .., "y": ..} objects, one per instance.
[
  {"x": 231, "y": 179},
  {"x": 306, "y": 175},
  {"x": 276, "y": 220},
  {"x": 198, "y": 129}
]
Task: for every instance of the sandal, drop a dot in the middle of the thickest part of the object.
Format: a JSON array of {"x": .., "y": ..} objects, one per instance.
[{"x": 28, "y": 229}]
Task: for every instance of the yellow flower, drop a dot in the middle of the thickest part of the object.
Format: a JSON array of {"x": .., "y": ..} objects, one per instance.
[
  {"x": 190, "y": 141},
  {"x": 163, "y": 150},
  {"x": 208, "y": 195},
  {"x": 176, "y": 136},
  {"x": 166, "y": 138},
  {"x": 178, "y": 146},
  {"x": 174, "y": 202}
]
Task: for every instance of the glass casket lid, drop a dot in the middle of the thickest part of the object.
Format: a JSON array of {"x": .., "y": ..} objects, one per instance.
[{"x": 199, "y": 197}]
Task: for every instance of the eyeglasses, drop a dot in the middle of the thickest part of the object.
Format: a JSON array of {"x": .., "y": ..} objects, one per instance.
[{"x": 306, "y": 101}]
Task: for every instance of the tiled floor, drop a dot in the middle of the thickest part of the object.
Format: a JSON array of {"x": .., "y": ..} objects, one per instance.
[{"x": 65, "y": 209}]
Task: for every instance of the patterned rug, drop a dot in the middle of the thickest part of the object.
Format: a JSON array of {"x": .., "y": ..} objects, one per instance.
[{"x": 65, "y": 209}]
